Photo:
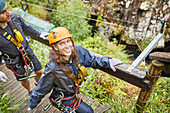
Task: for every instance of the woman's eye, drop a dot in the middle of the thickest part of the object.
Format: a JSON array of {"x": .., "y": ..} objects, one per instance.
[
  {"x": 62, "y": 43},
  {"x": 68, "y": 41}
]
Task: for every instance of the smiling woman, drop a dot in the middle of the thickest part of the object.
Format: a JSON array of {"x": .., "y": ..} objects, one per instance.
[{"x": 64, "y": 47}]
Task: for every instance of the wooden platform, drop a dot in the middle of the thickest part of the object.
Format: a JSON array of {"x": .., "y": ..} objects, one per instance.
[{"x": 20, "y": 96}]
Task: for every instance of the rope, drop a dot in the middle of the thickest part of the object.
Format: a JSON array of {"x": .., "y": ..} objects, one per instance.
[
  {"x": 154, "y": 76},
  {"x": 89, "y": 13}
]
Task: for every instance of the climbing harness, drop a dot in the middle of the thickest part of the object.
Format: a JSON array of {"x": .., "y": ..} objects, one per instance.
[
  {"x": 17, "y": 42},
  {"x": 57, "y": 103}
]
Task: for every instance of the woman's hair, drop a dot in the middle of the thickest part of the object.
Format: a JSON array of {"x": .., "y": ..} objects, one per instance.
[{"x": 58, "y": 58}]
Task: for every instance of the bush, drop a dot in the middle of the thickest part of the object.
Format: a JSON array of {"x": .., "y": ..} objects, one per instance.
[
  {"x": 77, "y": 25},
  {"x": 5, "y": 104}
]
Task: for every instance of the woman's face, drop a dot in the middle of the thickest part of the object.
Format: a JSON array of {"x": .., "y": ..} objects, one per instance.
[{"x": 65, "y": 47}]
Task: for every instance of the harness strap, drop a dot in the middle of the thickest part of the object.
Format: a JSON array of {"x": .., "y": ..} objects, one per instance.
[
  {"x": 78, "y": 87},
  {"x": 18, "y": 35},
  {"x": 10, "y": 38},
  {"x": 21, "y": 50},
  {"x": 82, "y": 73},
  {"x": 76, "y": 101}
]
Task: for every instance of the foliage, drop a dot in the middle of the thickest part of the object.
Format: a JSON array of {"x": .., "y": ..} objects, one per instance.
[
  {"x": 5, "y": 104},
  {"x": 71, "y": 15},
  {"x": 144, "y": 43},
  {"x": 13, "y": 3},
  {"x": 102, "y": 46},
  {"x": 38, "y": 12},
  {"x": 41, "y": 51},
  {"x": 160, "y": 100}
]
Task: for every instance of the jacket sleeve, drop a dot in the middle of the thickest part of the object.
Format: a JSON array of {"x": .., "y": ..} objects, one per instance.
[
  {"x": 27, "y": 28},
  {"x": 44, "y": 86},
  {"x": 89, "y": 60}
]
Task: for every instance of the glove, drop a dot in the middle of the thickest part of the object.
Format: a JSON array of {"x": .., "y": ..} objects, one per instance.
[
  {"x": 44, "y": 35},
  {"x": 3, "y": 77},
  {"x": 28, "y": 109},
  {"x": 113, "y": 62}
]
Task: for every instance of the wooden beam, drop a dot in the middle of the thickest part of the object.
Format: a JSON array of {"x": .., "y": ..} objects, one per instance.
[
  {"x": 136, "y": 77},
  {"x": 161, "y": 56}
]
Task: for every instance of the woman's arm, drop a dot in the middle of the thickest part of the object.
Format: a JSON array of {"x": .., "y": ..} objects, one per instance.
[
  {"x": 44, "y": 86},
  {"x": 89, "y": 60}
]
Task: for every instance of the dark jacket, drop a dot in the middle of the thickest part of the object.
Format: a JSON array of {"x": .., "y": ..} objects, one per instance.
[
  {"x": 7, "y": 47},
  {"x": 54, "y": 78}
]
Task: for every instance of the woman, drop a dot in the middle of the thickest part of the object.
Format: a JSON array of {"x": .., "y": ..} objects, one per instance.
[{"x": 65, "y": 72}]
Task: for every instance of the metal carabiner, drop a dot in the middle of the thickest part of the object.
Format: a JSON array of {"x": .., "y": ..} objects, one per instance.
[
  {"x": 62, "y": 95},
  {"x": 18, "y": 66},
  {"x": 82, "y": 83},
  {"x": 8, "y": 59}
]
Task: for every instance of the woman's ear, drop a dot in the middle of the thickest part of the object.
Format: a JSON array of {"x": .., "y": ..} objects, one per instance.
[{"x": 55, "y": 47}]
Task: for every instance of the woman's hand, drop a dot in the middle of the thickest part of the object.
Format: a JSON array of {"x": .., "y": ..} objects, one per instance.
[{"x": 113, "y": 62}]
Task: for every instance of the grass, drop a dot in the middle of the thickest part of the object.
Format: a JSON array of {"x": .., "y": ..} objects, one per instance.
[{"x": 5, "y": 104}]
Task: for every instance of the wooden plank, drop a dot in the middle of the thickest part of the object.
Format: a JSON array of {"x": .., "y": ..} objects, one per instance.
[
  {"x": 103, "y": 108},
  {"x": 89, "y": 101},
  {"x": 161, "y": 56}
]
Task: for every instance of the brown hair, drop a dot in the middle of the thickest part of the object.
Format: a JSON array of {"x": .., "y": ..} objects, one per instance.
[{"x": 55, "y": 56}]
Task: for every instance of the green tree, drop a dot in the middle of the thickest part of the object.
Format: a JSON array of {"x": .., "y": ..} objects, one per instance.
[{"x": 66, "y": 17}]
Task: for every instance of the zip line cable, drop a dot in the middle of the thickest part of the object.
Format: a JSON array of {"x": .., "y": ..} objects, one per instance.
[
  {"x": 86, "y": 17},
  {"x": 79, "y": 16},
  {"x": 93, "y": 14}
]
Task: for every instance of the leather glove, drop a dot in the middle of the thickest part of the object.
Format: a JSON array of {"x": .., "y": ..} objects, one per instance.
[
  {"x": 3, "y": 77},
  {"x": 44, "y": 35},
  {"x": 113, "y": 62}
]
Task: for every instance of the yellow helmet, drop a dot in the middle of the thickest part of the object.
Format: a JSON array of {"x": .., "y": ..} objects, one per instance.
[{"x": 58, "y": 34}]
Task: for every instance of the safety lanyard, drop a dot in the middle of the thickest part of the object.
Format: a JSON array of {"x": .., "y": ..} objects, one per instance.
[{"x": 22, "y": 53}]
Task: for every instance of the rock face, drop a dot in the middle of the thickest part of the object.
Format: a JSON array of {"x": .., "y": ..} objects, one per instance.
[{"x": 140, "y": 18}]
